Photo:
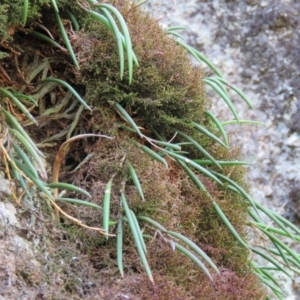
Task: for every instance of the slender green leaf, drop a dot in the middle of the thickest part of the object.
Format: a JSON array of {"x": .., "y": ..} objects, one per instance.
[
  {"x": 209, "y": 134},
  {"x": 54, "y": 5},
  {"x": 69, "y": 87},
  {"x": 243, "y": 122},
  {"x": 20, "y": 96},
  {"x": 200, "y": 57},
  {"x": 66, "y": 38},
  {"x": 22, "y": 155},
  {"x": 136, "y": 181},
  {"x": 75, "y": 121},
  {"x": 282, "y": 245},
  {"x": 270, "y": 284},
  {"x": 120, "y": 247},
  {"x": 194, "y": 247},
  {"x": 195, "y": 165},
  {"x": 31, "y": 151},
  {"x": 192, "y": 175},
  {"x": 126, "y": 36},
  {"x": 106, "y": 206},
  {"x": 224, "y": 96},
  {"x": 275, "y": 230},
  {"x": 194, "y": 258},
  {"x": 152, "y": 154},
  {"x": 236, "y": 89},
  {"x": 270, "y": 259},
  {"x": 16, "y": 125},
  {"x": 37, "y": 70},
  {"x": 228, "y": 224},
  {"x": 117, "y": 34},
  {"x": 219, "y": 125},
  {"x": 67, "y": 186},
  {"x": 197, "y": 146},
  {"x": 73, "y": 20},
  {"x": 39, "y": 183},
  {"x": 169, "y": 145},
  {"x": 138, "y": 230},
  {"x": 282, "y": 254},
  {"x": 178, "y": 35},
  {"x": 25, "y": 11},
  {"x": 136, "y": 238},
  {"x": 152, "y": 222},
  {"x": 175, "y": 28},
  {"x": 238, "y": 189},
  {"x": 79, "y": 202},
  {"x": 222, "y": 162},
  {"x": 128, "y": 118},
  {"x": 17, "y": 102}
]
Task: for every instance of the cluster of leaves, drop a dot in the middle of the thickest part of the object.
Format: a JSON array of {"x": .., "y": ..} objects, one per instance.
[{"x": 24, "y": 160}]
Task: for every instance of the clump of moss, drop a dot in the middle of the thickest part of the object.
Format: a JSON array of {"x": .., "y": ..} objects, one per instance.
[
  {"x": 165, "y": 88},
  {"x": 166, "y": 91}
]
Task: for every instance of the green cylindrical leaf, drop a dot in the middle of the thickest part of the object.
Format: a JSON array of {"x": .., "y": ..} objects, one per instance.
[
  {"x": 69, "y": 87},
  {"x": 136, "y": 238},
  {"x": 106, "y": 206},
  {"x": 136, "y": 181},
  {"x": 120, "y": 247},
  {"x": 194, "y": 247},
  {"x": 228, "y": 224},
  {"x": 127, "y": 117},
  {"x": 79, "y": 202},
  {"x": 152, "y": 222},
  {"x": 194, "y": 259},
  {"x": 67, "y": 186}
]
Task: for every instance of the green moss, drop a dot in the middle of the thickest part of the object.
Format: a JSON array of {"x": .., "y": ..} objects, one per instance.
[{"x": 167, "y": 90}]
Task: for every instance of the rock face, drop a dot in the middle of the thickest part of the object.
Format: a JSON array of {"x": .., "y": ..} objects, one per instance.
[
  {"x": 19, "y": 269},
  {"x": 256, "y": 46}
]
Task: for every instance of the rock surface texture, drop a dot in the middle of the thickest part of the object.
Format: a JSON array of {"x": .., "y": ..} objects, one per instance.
[{"x": 255, "y": 44}]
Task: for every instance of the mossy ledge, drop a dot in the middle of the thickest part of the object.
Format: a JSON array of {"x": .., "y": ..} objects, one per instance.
[{"x": 166, "y": 91}]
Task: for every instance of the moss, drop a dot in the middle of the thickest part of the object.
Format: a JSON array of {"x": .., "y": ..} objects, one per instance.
[{"x": 166, "y": 91}]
